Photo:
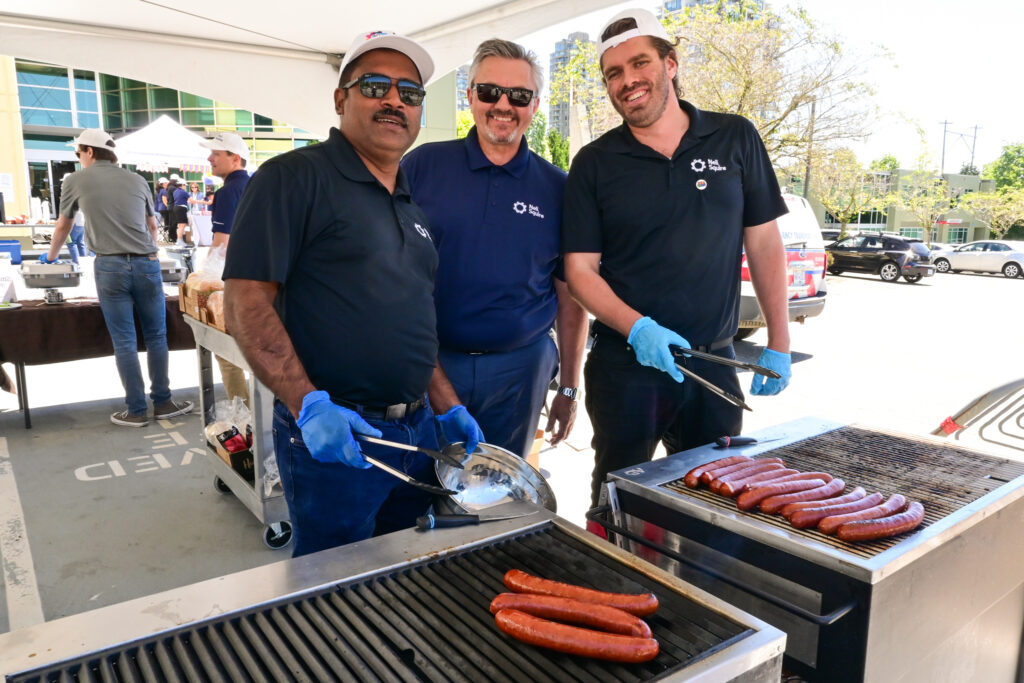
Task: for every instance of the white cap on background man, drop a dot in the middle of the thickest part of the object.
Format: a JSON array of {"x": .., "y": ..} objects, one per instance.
[{"x": 228, "y": 142}]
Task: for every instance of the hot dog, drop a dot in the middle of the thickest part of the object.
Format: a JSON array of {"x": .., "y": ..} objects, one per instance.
[
  {"x": 824, "y": 476},
  {"x": 603, "y": 617},
  {"x": 808, "y": 517},
  {"x": 711, "y": 475},
  {"x": 870, "y": 530},
  {"x": 731, "y": 488},
  {"x": 748, "y": 500},
  {"x": 641, "y": 604},
  {"x": 574, "y": 640},
  {"x": 894, "y": 504},
  {"x": 755, "y": 467},
  {"x": 855, "y": 494},
  {"x": 692, "y": 478},
  {"x": 773, "y": 504}
]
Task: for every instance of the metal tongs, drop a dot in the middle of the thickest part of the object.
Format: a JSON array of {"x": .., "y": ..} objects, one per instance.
[
  {"x": 436, "y": 455},
  {"x": 713, "y": 388},
  {"x": 423, "y": 486}
]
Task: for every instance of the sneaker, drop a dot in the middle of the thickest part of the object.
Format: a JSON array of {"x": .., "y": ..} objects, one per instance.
[
  {"x": 125, "y": 419},
  {"x": 171, "y": 409}
]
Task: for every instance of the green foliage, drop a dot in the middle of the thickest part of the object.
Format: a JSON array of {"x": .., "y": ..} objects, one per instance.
[
  {"x": 1001, "y": 210},
  {"x": 536, "y": 135},
  {"x": 969, "y": 169},
  {"x": 463, "y": 123},
  {"x": 922, "y": 194},
  {"x": 1008, "y": 169},
  {"x": 558, "y": 146},
  {"x": 886, "y": 163},
  {"x": 843, "y": 187}
]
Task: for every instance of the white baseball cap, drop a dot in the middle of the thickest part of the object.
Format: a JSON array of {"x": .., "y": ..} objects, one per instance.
[
  {"x": 161, "y": 179},
  {"x": 93, "y": 137},
  {"x": 389, "y": 40},
  {"x": 228, "y": 142},
  {"x": 176, "y": 178},
  {"x": 646, "y": 25}
]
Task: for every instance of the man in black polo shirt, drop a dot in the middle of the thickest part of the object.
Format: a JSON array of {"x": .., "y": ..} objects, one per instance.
[
  {"x": 329, "y": 294},
  {"x": 657, "y": 214}
]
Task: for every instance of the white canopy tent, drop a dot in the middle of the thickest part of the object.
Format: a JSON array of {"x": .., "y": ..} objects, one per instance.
[
  {"x": 163, "y": 144},
  {"x": 279, "y": 59}
]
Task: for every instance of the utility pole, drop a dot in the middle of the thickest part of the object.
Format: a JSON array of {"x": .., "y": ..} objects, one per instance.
[
  {"x": 974, "y": 141},
  {"x": 810, "y": 148},
  {"x": 942, "y": 166}
]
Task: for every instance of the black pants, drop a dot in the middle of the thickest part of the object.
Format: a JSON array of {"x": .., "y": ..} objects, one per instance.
[
  {"x": 633, "y": 407},
  {"x": 172, "y": 230}
]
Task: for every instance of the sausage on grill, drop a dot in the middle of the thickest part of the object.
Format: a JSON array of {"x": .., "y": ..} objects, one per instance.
[
  {"x": 855, "y": 494},
  {"x": 884, "y": 527},
  {"x": 641, "y": 604},
  {"x": 692, "y": 478},
  {"x": 748, "y": 500},
  {"x": 808, "y": 517},
  {"x": 773, "y": 504},
  {"x": 709, "y": 475},
  {"x": 755, "y": 467},
  {"x": 575, "y": 640},
  {"x": 603, "y": 617},
  {"x": 893, "y": 505},
  {"x": 731, "y": 488}
]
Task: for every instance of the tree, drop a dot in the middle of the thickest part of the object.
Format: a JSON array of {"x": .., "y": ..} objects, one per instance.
[
  {"x": 781, "y": 71},
  {"x": 969, "y": 169},
  {"x": 843, "y": 187},
  {"x": 887, "y": 163},
  {"x": 536, "y": 135},
  {"x": 558, "y": 146},
  {"x": 1008, "y": 169},
  {"x": 1001, "y": 210},
  {"x": 463, "y": 123},
  {"x": 924, "y": 195}
]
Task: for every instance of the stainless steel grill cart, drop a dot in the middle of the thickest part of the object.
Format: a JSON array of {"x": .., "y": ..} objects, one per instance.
[{"x": 269, "y": 507}]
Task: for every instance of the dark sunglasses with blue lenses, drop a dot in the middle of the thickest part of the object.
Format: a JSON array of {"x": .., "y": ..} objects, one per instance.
[
  {"x": 377, "y": 86},
  {"x": 488, "y": 93}
]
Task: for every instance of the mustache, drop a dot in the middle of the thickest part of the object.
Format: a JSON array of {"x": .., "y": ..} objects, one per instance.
[
  {"x": 391, "y": 114},
  {"x": 625, "y": 91},
  {"x": 504, "y": 112}
]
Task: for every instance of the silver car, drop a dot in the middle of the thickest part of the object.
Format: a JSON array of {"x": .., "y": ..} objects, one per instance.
[{"x": 985, "y": 256}]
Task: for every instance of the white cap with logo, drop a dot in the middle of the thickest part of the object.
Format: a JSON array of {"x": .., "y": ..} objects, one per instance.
[
  {"x": 389, "y": 40},
  {"x": 646, "y": 25},
  {"x": 228, "y": 142},
  {"x": 94, "y": 137}
]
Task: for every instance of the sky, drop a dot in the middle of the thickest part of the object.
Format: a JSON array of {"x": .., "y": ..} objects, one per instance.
[{"x": 950, "y": 60}]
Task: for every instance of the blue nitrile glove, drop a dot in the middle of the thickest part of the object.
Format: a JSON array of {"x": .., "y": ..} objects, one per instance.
[
  {"x": 43, "y": 259},
  {"x": 650, "y": 342},
  {"x": 458, "y": 425},
  {"x": 769, "y": 386},
  {"x": 327, "y": 429}
]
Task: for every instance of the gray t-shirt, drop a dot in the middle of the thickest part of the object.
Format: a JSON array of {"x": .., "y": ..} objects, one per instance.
[{"x": 117, "y": 203}]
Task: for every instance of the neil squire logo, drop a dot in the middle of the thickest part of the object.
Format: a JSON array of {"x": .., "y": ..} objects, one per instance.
[
  {"x": 422, "y": 231},
  {"x": 523, "y": 207},
  {"x": 700, "y": 165}
]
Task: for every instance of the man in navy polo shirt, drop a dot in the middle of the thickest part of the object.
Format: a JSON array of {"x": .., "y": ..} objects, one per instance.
[
  {"x": 495, "y": 209},
  {"x": 228, "y": 157},
  {"x": 657, "y": 214},
  {"x": 328, "y": 291}
]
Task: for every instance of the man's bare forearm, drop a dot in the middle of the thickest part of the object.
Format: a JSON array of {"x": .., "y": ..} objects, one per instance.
[
  {"x": 766, "y": 258},
  {"x": 582, "y": 273},
  {"x": 60, "y": 236},
  {"x": 572, "y": 331},
  {"x": 441, "y": 392},
  {"x": 260, "y": 334}
]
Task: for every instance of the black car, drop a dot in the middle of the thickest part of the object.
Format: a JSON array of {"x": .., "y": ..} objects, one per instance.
[{"x": 890, "y": 257}]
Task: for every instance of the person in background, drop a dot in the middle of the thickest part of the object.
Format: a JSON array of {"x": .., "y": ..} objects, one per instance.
[
  {"x": 196, "y": 199},
  {"x": 162, "y": 208},
  {"x": 495, "y": 209},
  {"x": 328, "y": 292},
  {"x": 228, "y": 157},
  {"x": 177, "y": 205},
  {"x": 658, "y": 212},
  {"x": 76, "y": 239},
  {"x": 122, "y": 230}
]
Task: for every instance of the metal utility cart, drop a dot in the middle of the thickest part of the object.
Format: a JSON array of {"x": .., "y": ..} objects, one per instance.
[{"x": 270, "y": 509}]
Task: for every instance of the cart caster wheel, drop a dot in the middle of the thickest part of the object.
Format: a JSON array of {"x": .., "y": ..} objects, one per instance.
[
  {"x": 277, "y": 538},
  {"x": 221, "y": 487}
]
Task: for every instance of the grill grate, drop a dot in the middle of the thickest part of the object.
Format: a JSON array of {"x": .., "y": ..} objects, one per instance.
[
  {"x": 424, "y": 622},
  {"x": 944, "y": 478}
]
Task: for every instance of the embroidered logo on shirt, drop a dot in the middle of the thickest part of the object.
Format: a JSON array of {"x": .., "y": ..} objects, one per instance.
[
  {"x": 422, "y": 231},
  {"x": 523, "y": 207},
  {"x": 699, "y": 165}
]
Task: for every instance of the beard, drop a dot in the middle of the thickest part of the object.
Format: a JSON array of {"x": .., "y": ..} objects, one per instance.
[
  {"x": 507, "y": 138},
  {"x": 658, "y": 94}
]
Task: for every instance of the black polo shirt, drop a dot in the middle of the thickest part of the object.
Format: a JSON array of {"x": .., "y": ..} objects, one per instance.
[
  {"x": 356, "y": 267},
  {"x": 670, "y": 231}
]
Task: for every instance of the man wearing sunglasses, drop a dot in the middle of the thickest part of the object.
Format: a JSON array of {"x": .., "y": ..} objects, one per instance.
[
  {"x": 328, "y": 292},
  {"x": 495, "y": 209},
  {"x": 657, "y": 215}
]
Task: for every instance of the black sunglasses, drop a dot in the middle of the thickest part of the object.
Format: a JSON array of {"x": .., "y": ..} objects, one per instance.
[
  {"x": 490, "y": 94},
  {"x": 377, "y": 86}
]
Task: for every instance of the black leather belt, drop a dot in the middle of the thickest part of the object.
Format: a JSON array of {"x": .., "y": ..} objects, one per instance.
[
  {"x": 393, "y": 412},
  {"x": 715, "y": 345},
  {"x": 130, "y": 255}
]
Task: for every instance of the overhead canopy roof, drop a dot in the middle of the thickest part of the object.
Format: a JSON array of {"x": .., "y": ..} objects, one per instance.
[{"x": 278, "y": 58}]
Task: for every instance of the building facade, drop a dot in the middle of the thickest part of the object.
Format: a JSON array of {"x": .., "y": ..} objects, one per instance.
[{"x": 559, "y": 114}]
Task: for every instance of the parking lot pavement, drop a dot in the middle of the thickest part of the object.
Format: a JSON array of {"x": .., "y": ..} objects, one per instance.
[{"x": 894, "y": 356}]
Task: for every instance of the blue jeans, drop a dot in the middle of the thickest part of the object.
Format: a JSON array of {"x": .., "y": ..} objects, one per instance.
[
  {"x": 133, "y": 283},
  {"x": 331, "y": 504},
  {"x": 77, "y": 244},
  {"x": 504, "y": 392}
]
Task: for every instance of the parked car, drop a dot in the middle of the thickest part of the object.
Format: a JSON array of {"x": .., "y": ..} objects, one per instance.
[
  {"x": 889, "y": 256},
  {"x": 986, "y": 256},
  {"x": 805, "y": 263}
]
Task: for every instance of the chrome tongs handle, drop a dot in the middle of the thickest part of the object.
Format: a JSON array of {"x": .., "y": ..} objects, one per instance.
[
  {"x": 753, "y": 367},
  {"x": 713, "y": 388},
  {"x": 436, "y": 455}
]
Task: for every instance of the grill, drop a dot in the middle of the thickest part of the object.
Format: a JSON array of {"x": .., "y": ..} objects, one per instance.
[
  {"x": 428, "y": 620},
  {"x": 914, "y": 607}
]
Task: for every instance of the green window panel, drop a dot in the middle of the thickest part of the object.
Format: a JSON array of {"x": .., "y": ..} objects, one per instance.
[
  {"x": 113, "y": 121},
  {"x": 136, "y": 119},
  {"x": 43, "y": 117},
  {"x": 109, "y": 83},
  {"x": 129, "y": 84},
  {"x": 42, "y": 74},
  {"x": 190, "y": 101},
  {"x": 263, "y": 124},
  {"x": 44, "y": 98},
  {"x": 173, "y": 113},
  {"x": 163, "y": 98},
  {"x": 135, "y": 100},
  {"x": 197, "y": 117},
  {"x": 86, "y": 101},
  {"x": 112, "y": 102}
]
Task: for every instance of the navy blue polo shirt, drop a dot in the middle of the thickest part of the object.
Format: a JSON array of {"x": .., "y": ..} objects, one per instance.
[
  {"x": 356, "y": 268},
  {"x": 670, "y": 231},
  {"x": 161, "y": 193},
  {"x": 225, "y": 200},
  {"x": 180, "y": 197},
  {"x": 497, "y": 232}
]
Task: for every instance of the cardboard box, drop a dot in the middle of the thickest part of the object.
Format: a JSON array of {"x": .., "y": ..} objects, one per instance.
[
  {"x": 240, "y": 461},
  {"x": 207, "y": 316},
  {"x": 187, "y": 302}
]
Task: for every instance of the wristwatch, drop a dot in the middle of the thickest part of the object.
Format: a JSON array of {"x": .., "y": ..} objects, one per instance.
[{"x": 569, "y": 392}]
